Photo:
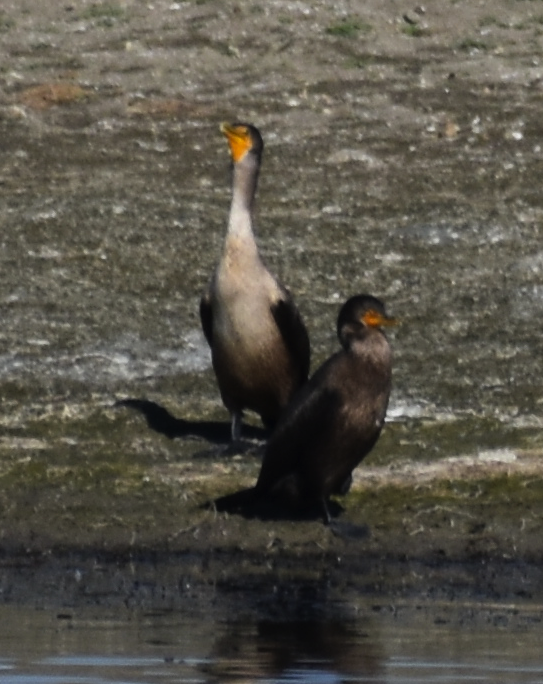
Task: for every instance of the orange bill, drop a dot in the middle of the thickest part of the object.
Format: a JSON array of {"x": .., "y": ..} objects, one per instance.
[
  {"x": 375, "y": 319},
  {"x": 238, "y": 138}
]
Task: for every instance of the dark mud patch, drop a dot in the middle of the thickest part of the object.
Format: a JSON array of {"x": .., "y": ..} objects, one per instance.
[{"x": 273, "y": 584}]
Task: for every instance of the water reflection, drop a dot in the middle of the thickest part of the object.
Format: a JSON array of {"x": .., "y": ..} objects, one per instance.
[
  {"x": 378, "y": 644},
  {"x": 299, "y": 650}
]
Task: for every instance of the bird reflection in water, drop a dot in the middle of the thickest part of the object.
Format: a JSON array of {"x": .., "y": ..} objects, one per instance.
[{"x": 307, "y": 649}]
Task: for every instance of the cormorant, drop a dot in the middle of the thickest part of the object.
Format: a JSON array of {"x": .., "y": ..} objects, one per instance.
[
  {"x": 333, "y": 421},
  {"x": 259, "y": 343}
]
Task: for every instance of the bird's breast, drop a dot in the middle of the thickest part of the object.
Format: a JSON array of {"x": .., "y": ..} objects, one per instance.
[{"x": 243, "y": 325}]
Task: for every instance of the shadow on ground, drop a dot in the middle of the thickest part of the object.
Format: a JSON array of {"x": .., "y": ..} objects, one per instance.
[{"x": 162, "y": 421}]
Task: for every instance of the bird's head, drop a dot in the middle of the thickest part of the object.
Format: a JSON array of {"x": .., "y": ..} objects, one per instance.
[
  {"x": 243, "y": 139},
  {"x": 361, "y": 312}
]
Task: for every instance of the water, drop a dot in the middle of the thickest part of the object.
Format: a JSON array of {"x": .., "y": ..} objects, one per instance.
[{"x": 407, "y": 644}]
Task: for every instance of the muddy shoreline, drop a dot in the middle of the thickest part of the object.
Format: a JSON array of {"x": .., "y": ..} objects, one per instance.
[
  {"x": 464, "y": 534},
  {"x": 151, "y": 580}
]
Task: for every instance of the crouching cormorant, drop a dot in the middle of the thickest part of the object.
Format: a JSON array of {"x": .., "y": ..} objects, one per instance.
[{"x": 333, "y": 421}]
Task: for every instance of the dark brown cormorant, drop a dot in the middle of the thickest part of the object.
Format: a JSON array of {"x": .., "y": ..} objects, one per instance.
[
  {"x": 259, "y": 344},
  {"x": 332, "y": 423}
]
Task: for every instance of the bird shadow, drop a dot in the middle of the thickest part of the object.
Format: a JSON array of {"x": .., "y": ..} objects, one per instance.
[
  {"x": 162, "y": 421},
  {"x": 275, "y": 512},
  {"x": 272, "y": 508}
]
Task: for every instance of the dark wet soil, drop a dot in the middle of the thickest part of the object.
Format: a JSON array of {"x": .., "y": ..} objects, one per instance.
[{"x": 403, "y": 157}]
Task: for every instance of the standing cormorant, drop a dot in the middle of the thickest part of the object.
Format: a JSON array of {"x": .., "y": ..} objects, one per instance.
[{"x": 259, "y": 343}]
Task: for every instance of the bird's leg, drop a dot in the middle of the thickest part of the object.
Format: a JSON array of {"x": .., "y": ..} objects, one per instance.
[
  {"x": 346, "y": 485},
  {"x": 236, "y": 425},
  {"x": 327, "y": 518}
]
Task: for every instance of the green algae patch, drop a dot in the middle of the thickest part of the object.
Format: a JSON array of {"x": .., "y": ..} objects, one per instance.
[
  {"x": 90, "y": 477},
  {"x": 454, "y": 518},
  {"x": 44, "y": 506},
  {"x": 154, "y": 495},
  {"x": 427, "y": 439}
]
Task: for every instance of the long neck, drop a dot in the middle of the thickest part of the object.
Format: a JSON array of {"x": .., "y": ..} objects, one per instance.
[{"x": 245, "y": 180}]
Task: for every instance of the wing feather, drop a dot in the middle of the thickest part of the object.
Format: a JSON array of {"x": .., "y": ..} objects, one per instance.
[
  {"x": 293, "y": 331},
  {"x": 307, "y": 418},
  {"x": 206, "y": 317}
]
